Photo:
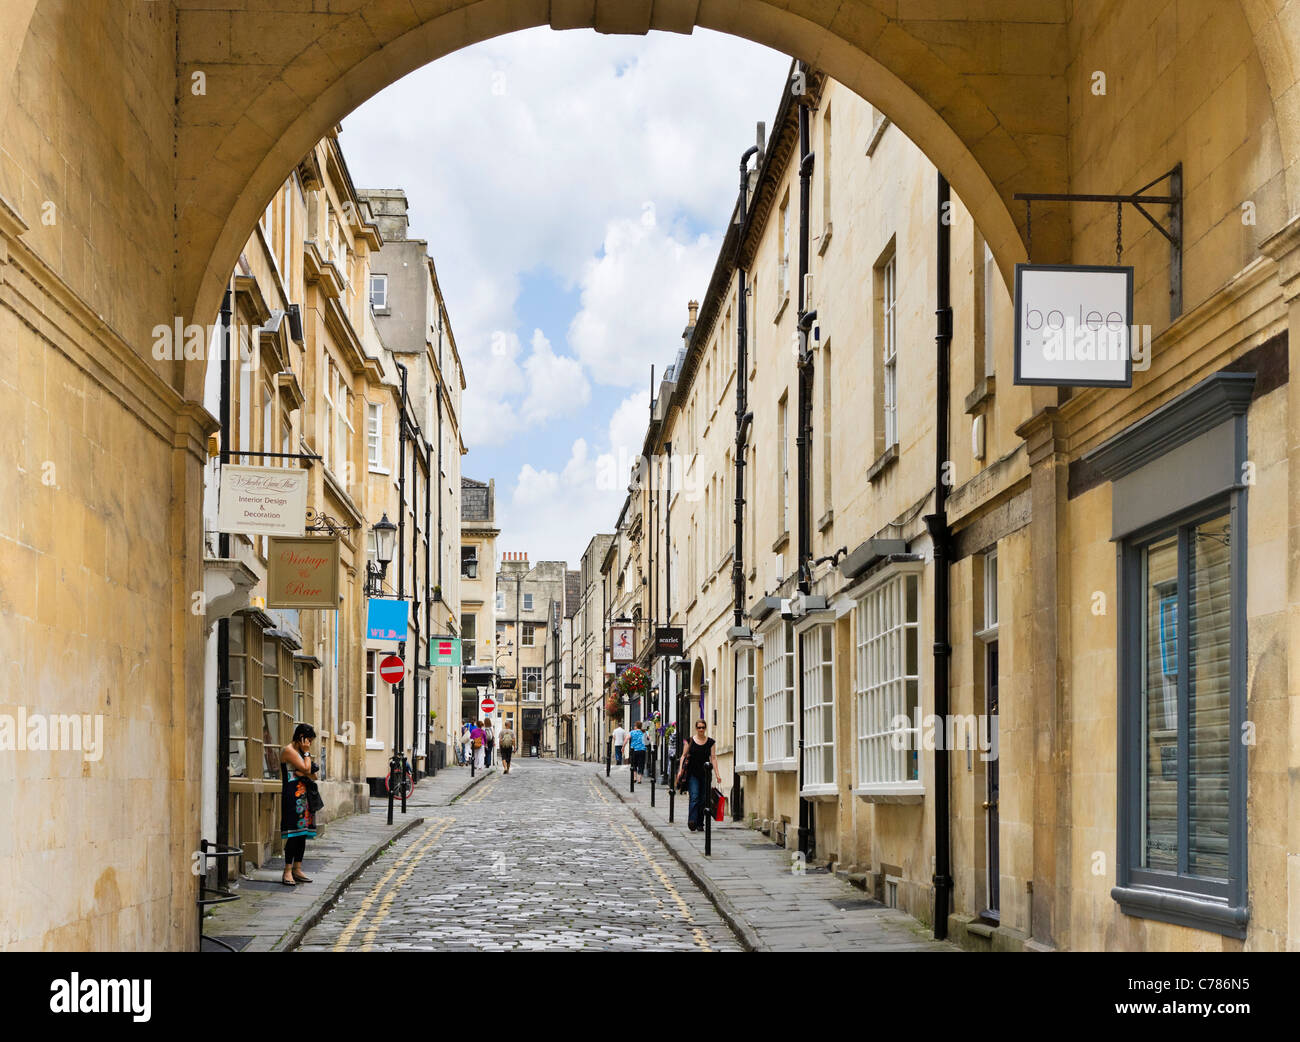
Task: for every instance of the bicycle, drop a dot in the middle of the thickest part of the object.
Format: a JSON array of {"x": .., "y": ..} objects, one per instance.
[{"x": 409, "y": 780}]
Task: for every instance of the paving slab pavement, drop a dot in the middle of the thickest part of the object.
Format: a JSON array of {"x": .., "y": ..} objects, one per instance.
[{"x": 770, "y": 906}]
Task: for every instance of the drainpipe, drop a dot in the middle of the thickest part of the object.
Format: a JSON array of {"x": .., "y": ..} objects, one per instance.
[
  {"x": 223, "y": 625},
  {"x": 807, "y": 823},
  {"x": 743, "y": 419},
  {"x": 397, "y": 761},
  {"x": 940, "y": 537},
  {"x": 428, "y": 590}
]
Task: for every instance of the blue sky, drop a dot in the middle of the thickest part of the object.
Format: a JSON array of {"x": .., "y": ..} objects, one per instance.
[{"x": 574, "y": 189}]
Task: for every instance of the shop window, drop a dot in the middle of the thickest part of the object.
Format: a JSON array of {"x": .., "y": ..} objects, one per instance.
[
  {"x": 746, "y": 711},
  {"x": 817, "y": 660}
]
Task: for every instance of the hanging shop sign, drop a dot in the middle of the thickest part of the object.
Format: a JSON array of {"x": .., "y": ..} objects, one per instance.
[
  {"x": 506, "y": 683},
  {"x": 444, "y": 651},
  {"x": 1074, "y": 325},
  {"x": 386, "y": 618},
  {"x": 262, "y": 501},
  {"x": 622, "y": 642},
  {"x": 303, "y": 573},
  {"x": 668, "y": 641}
]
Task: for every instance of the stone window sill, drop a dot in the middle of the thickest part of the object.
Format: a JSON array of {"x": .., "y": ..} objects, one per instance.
[
  {"x": 780, "y": 309},
  {"x": 1168, "y": 906},
  {"x": 883, "y": 463},
  {"x": 978, "y": 399},
  {"x": 781, "y": 542},
  {"x": 825, "y": 241},
  {"x": 827, "y": 519}
]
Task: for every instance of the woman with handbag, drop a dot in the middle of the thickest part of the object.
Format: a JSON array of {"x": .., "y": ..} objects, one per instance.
[
  {"x": 698, "y": 762},
  {"x": 299, "y": 801}
]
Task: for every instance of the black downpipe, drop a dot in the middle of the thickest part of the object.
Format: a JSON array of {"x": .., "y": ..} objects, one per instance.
[
  {"x": 416, "y": 624},
  {"x": 940, "y": 536},
  {"x": 742, "y": 430},
  {"x": 223, "y": 625},
  {"x": 397, "y": 761},
  {"x": 429, "y": 759},
  {"x": 807, "y": 824}
]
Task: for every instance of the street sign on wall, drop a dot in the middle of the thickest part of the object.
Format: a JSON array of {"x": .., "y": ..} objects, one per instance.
[
  {"x": 668, "y": 641},
  {"x": 622, "y": 642},
  {"x": 1074, "y": 325},
  {"x": 262, "y": 500},
  {"x": 444, "y": 651},
  {"x": 303, "y": 573},
  {"x": 386, "y": 619}
]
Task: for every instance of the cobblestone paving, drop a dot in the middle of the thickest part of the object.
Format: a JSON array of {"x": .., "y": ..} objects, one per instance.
[{"x": 539, "y": 860}]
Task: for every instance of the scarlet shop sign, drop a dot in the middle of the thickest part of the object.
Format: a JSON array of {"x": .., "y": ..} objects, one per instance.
[{"x": 303, "y": 573}]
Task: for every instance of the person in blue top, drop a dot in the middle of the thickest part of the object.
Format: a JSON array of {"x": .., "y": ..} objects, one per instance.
[{"x": 637, "y": 741}]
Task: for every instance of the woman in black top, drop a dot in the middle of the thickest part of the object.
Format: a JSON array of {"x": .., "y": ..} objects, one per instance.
[{"x": 699, "y": 761}]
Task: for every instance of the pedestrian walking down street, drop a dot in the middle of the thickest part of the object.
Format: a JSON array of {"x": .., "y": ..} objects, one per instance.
[
  {"x": 507, "y": 744},
  {"x": 464, "y": 749},
  {"x": 699, "y": 761},
  {"x": 489, "y": 742},
  {"x": 620, "y": 739},
  {"x": 637, "y": 741},
  {"x": 297, "y": 818},
  {"x": 477, "y": 742}
]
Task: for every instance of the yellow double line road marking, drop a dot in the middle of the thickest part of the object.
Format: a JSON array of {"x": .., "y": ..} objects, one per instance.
[
  {"x": 419, "y": 847},
  {"x": 484, "y": 789},
  {"x": 667, "y": 883}
]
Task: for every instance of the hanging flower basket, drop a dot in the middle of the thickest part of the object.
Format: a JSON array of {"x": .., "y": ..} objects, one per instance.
[
  {"x": 633, "y": 681},
  {"x": 614, "y": 707}
]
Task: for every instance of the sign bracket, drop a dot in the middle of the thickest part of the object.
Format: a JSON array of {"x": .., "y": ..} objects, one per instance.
[
  {"x": 1173, "y": 199},
  {"x": 322, "y": 522}
]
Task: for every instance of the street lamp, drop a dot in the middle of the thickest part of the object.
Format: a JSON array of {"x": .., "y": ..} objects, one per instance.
[{"x": 385, "y": 532}]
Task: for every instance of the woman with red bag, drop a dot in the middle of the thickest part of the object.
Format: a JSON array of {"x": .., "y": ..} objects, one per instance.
[{"x": 699, "y": 761}]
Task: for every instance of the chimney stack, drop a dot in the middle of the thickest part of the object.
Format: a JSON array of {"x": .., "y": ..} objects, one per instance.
[{"x": 693, "y": 310}]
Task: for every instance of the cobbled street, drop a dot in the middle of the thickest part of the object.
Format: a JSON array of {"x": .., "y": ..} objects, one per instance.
[{"x": 538, "y": 859}]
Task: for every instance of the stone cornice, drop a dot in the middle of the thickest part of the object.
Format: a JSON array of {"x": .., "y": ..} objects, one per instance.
[
  {"x": 1284, "y": 247},
  {"x": 1044, "y": 434},
  {"x": 47, "y": 305},
  {"x": 1208, "y": 404}
]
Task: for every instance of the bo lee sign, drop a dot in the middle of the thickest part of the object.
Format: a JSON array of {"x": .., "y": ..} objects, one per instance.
[{"x": 1074, "y": 325}]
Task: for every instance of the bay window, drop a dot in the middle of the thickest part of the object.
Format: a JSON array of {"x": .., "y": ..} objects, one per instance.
[
  {"x": 887, "y": 686},
  {"x": 778, "y": 698}
]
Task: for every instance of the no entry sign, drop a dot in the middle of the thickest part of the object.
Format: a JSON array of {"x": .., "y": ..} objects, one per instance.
[
  {"x": 392, "y": 669},
  {"x": 488, "y": 706}
]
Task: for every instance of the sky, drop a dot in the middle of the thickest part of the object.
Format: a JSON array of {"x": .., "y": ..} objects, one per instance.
[{"x": 574, "y": 189}]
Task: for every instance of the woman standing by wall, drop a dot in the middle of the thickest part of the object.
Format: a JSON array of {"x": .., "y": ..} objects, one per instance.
[{"x": 297, "y": 819}]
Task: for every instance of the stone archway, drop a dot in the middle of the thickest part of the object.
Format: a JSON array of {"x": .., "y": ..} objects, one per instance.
[{"x": 277, "y": 81}]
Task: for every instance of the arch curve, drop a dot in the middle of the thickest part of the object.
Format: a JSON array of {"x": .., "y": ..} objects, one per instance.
[{"x": 235, "y": 146}]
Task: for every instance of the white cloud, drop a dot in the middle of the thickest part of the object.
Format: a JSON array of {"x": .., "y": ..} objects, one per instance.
[
  {"x": 554, "y": 167},
  {"x": 557, "y": 512},
  {"x": 634, "y": 300},
  {"x": 556, "y": 384}
]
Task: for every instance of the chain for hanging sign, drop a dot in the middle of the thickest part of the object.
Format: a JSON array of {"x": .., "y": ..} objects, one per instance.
[{"x": 1029, "y": 231}]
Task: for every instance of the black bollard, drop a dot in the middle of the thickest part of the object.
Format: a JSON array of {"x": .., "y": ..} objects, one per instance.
[
  {"x": 708, "y": 831},
  {"x": 631, "y": 773},
  {"x": 652, "y": 783},
  {"x": 672, "y": 800},
  {"x": 609, "y": 755}
]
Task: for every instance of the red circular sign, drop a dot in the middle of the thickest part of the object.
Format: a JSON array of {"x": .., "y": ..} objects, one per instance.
[
  {"x": 488, "y": 706},
  {"x": 392, "y": 669}
]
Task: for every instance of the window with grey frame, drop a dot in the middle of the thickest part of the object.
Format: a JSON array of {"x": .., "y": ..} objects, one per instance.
[{"x": 1182, "y": 790}]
